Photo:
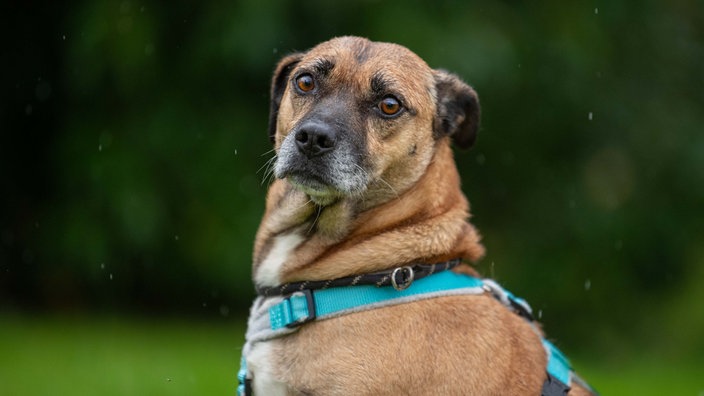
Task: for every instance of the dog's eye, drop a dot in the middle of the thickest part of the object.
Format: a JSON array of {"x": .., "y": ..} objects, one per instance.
[
  {"x": 389, "y": 105},
  {"x": 305, "y": 82}
]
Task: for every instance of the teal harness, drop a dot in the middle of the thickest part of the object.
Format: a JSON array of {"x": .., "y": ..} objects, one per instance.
[{"x": 276, "y": 318}]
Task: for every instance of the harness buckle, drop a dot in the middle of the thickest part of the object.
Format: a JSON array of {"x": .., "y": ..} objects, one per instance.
[
  {"x": 297, "y": 299},
  {"x": 293, "y": 311},
  {"x": 406, "y": 276}
]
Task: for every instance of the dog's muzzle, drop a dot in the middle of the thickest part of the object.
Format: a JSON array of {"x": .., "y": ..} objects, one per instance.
[{"x": 318, "y": 159}]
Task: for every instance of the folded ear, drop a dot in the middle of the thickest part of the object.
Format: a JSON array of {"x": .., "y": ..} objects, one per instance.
[
  {"x": 457, "y": 110},
  {"x": 278, "y": 87}
]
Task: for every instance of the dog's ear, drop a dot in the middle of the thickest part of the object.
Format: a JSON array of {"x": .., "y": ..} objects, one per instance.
[
  {"x": 457, "y": 110},
  {"x": 278, "y": 87}
]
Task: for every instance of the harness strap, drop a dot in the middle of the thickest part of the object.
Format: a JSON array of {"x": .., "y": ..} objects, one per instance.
[
  {"x": 285, "y": 315},
  {"x": 307, "y": 305},
  {"x": 559, "y": 372},
  {"x": 382, "y": 278}
]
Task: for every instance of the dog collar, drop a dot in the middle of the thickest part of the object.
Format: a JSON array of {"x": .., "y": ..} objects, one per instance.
[
  {"x": 273, "y": 317},
  {"x": 400, "y": 278}
]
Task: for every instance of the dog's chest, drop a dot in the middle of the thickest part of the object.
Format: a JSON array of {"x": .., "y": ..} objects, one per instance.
[
  {"x": 261, "y": 361},
  {"x": 269, "y": 271}
]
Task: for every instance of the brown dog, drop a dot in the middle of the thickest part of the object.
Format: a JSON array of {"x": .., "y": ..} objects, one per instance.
[{"x": 366, "y": 182}]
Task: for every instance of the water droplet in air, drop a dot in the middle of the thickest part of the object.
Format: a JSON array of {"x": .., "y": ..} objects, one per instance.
[
  {"x": 42, "y": 91},
  {"x": 110, "y": 276},
  {"x": 224, "y": 310},
  {"x": 587, "y": 284},
  {"x": 102, "y": 266},
  {"x": 618, "y": 245},
  {"x": 591, "y": 116},
  {"x": 596, "y": 11}
]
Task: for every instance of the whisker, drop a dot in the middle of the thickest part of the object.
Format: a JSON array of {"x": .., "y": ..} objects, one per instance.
[
  {"x": 268, "y": 152},
  {"x": 267, "y": 163},
  {"x": 268, "y": 167},
  {"x": 390, "y": 187},
  {"x": 304, "y": 204},
  {"x": 315, "y": 220}
]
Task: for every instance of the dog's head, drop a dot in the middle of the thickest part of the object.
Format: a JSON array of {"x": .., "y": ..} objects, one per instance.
[{"x": 352, "y": 118}]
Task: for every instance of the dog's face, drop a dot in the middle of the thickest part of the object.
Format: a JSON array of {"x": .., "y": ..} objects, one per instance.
[{"x": 357, "y": 119}]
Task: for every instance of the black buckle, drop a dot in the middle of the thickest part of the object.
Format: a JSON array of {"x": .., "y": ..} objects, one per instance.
[
  {"x": 521, "y": 310},
  {"x": 310, "y": 304},
  {"x": 554, "y": 387},
  {"x": 248, "y": 387}
]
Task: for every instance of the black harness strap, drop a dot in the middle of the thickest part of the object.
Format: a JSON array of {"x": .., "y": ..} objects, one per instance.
[
  {"x": 383, "y": 278},
  {"x": 554, "y": 387}
]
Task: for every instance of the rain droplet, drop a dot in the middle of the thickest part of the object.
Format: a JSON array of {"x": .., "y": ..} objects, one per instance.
[
  {"x": 100, "y": 147},
  {"x": 618, "y": 245},
  {"x": 587, "y": 284},
  {"x": 176, "y": 237},
  {"x": 102, "y": 266},
  {"x": 596, "y": 11},
  {"x": 591, "y": 116},
  {"x": 42, "y": 91},
  {"x": 224, "y": 310},
  {"x": 540, "y": 314},
  {"x": 110, "y": 276},
  {"x": 64, "y": 37}
]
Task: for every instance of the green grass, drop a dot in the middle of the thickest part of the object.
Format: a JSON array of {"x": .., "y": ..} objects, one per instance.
[
  {"x": 646, "y": 376},
  {"x": 118, "y": 356},
  {"x": 87, "y": 356}
]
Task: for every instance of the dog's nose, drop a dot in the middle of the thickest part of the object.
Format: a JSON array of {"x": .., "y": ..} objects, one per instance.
[{"x": 315, "y": 139}]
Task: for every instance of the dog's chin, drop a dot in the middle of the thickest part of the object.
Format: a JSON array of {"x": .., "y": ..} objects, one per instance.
[{"x": 320, "y": 193}]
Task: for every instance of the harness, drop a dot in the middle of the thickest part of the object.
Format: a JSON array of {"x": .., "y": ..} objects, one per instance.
[{"x": 274, "y": 316}]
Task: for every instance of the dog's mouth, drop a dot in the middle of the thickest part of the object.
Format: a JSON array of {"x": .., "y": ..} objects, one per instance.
[
  {"x": 319, "y": 191},
  {"x": 325, "y": 183}
]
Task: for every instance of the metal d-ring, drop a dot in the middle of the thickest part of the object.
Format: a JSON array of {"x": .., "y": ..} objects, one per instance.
[{"x": 407, "y": 276}]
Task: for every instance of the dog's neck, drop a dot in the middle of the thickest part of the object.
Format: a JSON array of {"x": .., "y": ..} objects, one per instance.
[{"x": 298, "y": 240}]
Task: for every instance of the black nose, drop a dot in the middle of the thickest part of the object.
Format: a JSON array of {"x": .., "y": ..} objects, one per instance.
[{"x": 315, "y": 139}]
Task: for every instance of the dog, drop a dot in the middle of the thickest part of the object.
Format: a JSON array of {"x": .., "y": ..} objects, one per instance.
[{"x": 365, "y": 186}]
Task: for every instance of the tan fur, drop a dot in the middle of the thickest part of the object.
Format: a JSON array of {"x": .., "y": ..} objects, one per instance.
[{"x": 413, "y": 210}]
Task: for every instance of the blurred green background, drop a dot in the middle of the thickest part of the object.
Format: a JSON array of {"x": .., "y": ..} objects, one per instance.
[{"x": 133, "y": 136}]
